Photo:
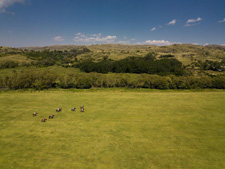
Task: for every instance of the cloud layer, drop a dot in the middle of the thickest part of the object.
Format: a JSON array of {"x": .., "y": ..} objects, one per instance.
[
  {"x": 94, "y": 38},
  {"x": 6, "y": 3}
]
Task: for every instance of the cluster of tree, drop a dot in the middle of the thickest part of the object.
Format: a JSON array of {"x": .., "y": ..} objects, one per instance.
[
  {"x": 213, "y": 65},
  {"x": 147, "y": 64},
  {"x": 48, "y": 58},
  {"x": 43, "y": 58},
  {"x": 45, "y": 80},
  {"x": 10, "y": 51}
]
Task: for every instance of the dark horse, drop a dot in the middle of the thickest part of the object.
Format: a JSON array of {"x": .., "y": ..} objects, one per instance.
[
  {"x": 51, "y": 116},
  {"x": 73, "y": 109},
  {"x": 82, "y": 108},
  {"x": 59, "y": 109},
  {"x": 35, "y": 114}
]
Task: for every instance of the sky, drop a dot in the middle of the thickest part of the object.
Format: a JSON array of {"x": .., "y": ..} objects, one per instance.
[{"x": 78, "y": 22}]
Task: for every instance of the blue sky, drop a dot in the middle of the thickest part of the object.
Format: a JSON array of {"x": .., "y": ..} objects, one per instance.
[{"x": 68, "y": 22}]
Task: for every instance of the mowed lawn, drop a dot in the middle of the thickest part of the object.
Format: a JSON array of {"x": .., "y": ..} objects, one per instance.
[{"x": 118, "y": 130}]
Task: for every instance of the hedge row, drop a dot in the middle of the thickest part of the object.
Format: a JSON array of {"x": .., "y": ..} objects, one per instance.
[{"x": 45, "y": 80}]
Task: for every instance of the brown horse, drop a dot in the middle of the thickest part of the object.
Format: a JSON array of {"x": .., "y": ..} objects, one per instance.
[
  {"x": 82, "y": 108},
  {"x": 43, "y": 120}
]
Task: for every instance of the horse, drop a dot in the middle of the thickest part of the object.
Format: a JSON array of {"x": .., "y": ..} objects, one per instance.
[
  {"x": 82, "y": 110},
  {"x": 43, "y": 120},
  {"x": 51, "y": 116},
  {"x": 73, "y": 109},
  {"x": 35, "y": 114},
  {"x": 59, "y": 109}
]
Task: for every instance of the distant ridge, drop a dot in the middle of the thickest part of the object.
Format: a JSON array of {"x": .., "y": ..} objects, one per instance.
[{"x": 69, "y": 47}]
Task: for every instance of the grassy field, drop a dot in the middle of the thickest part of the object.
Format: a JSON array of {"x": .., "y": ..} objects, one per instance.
[
  {"x": 16, "y": 58},
  {"x": 56, "y": 69},
  {"x": 119, "y": 129}
]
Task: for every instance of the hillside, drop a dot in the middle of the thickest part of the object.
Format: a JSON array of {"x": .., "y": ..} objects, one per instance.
[
  {"x": 191, "y": 56},
  {"x": 111, "y": 65},
  {"x": 186, "y": 53}
]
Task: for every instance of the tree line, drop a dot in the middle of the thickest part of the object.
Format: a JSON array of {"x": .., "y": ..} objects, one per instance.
[
  {"x": 46, "y": 80},
  {"x": 147, "y": 64}
]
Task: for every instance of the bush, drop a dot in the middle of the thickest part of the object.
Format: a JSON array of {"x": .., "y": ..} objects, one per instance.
[
  {"x": 219, "y": 82},
  {"x": 8, "y": 64}
]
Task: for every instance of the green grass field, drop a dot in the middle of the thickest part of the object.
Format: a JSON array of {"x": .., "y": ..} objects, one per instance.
[
  {"x": 119, "y": 129},
  {"x": 16, "y": 58},
  {"x": 56, "y": 69}
]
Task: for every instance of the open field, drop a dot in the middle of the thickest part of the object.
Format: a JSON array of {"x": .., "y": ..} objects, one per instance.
[{"x": 119, "y": 129}]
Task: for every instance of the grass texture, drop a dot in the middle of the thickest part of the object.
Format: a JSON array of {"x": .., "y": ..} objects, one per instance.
[{"x": 118, "y": 130}]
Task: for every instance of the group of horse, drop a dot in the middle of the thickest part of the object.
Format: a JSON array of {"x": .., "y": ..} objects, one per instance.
[{"x": 58, "y": 110}]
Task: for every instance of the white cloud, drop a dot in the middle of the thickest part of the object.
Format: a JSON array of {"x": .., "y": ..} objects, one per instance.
[
  {"x": 94, "y": 38},
  {"x": 7, "y": 3},
  {"x": 195, "y": 44},
  {"x": 194, "y": 20},
  {"x": 153, "y": 29},
  {"x": 222, "y": 21},
  {"x": 172, "y": 22},
  {"x": 191, "y": 21},
  {"x": 223, "y": 44},
  {"x": 123, "y": 42},
  {"x": 205, "y": 44},
  {"x": 158, "y": 42},
  {"x": 58, "y": 38},
  {"x": 128, "y": 41}
]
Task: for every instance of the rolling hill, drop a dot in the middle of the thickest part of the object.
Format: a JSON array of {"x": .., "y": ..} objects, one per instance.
[{"x": 186, "y": 53}]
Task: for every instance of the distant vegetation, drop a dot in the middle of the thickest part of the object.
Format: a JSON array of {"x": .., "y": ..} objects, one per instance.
[
  {"x": 49, "y": 58},
  {"x": 133, "y": 66},
  {"x": 213, "y": 65}
]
